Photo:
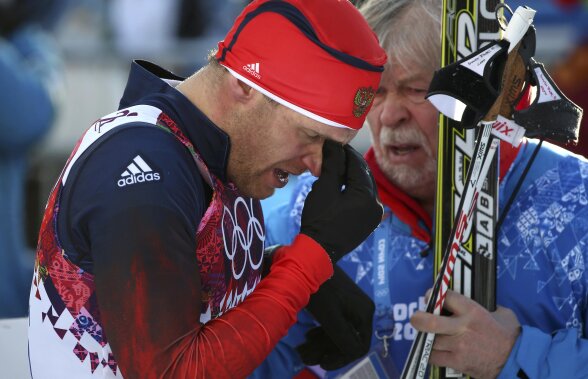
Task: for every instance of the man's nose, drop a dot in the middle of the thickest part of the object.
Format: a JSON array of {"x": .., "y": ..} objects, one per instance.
[
  {"x": 394, "y": 109},
  {"x": 314, "y": 160}
]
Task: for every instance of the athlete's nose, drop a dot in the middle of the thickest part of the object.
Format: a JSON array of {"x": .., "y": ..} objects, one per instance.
[{"x": 314, "y": 160}]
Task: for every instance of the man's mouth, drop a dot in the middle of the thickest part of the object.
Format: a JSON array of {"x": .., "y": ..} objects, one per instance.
[{"x": 403, "y": 149}]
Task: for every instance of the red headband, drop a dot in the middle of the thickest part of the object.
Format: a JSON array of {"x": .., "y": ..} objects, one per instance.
[{"x": 317, "y": 57}]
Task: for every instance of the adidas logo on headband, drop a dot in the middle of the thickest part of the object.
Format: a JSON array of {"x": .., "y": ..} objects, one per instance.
[{"x": 253, "y": 69}]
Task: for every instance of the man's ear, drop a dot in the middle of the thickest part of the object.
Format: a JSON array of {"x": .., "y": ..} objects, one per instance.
[{"x": 240, "y": 91}]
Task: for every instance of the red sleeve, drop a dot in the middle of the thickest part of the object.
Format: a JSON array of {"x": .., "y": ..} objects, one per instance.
[{"x": 233, "y": 345}]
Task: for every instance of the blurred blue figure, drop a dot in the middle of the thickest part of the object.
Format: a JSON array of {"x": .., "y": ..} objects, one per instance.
[
  {"x": 562, "y": 45},
  {"x": 561, "y": 26},
  {"x": 29, "y": 68}
]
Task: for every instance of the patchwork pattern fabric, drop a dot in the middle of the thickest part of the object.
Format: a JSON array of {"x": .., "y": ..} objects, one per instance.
[
  {"x": 544, "y": 239},
  {"x": 232, "y": 224},
  {"x": 65, "y": 296}
]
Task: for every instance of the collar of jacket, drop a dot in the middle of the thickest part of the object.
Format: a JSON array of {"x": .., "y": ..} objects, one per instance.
[
  {"x": 406, "y": 208},
  {"x": 152, "y": 85}
]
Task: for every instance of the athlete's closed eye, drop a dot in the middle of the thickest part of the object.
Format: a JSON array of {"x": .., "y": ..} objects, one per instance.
[{"x": 313, "y": 136}]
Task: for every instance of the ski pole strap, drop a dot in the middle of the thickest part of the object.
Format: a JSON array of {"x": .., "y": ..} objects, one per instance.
[
  {"x": 551, "y": 115},
  {"x": 486, "y": 83},
  {"x": 463, "y": 90}
]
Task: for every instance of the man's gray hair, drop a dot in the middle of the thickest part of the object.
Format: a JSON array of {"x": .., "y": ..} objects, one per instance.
[{"x": 409, "y": 30}]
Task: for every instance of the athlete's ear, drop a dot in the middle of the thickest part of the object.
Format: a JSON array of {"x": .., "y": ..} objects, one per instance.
[{"x": 240, "y": 91}]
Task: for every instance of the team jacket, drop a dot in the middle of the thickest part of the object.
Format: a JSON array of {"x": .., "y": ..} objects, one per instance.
[
  {"x": 542, "y": 256},
  {"x": 148, "y": 257}
]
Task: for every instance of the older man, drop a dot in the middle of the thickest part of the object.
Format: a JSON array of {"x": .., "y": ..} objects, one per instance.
[{"x": 538, "y": 330}]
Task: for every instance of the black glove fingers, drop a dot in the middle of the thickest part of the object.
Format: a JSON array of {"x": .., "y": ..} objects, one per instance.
[
  {"x": 316, "y": 334},
  {"x": 333, "y": 362},
  {"x": 332, "y": 168},
  {"x": 363, "y": 329},
  {"x": 327, "y": 187},
  {"x": 374, "y": 212},
  {"x": 340, "y": 220},
  {"x": 310, "y": 354},
  {"x": 358, "y": 175},
  {"x": 334, "y": 158},
  {"x": 319, "y": 349},
  {"x": 315, "y": 347},
  {"x": 342, "y": 322}
]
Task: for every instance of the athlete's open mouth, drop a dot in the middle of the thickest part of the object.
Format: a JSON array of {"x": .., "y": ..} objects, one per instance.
[{"x": 281, "y": 175}]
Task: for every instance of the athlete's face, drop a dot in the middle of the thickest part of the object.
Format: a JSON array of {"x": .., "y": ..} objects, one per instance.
[
  {"x": 404, "y": 131},
  {"x": 270, "y": 142}
]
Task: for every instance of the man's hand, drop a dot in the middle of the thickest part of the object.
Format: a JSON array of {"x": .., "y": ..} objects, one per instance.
[
  {"x": 338, "y": 218},
  {"x": 345, "y": 313},
  {"x": 471, "y": 340}
]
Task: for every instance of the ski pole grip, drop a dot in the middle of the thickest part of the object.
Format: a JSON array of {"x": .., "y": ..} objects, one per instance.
[{"x": 518, "y": 25}]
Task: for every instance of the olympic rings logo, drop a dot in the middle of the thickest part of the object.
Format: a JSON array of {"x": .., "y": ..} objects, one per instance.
[{"x": 242, "y": 240}]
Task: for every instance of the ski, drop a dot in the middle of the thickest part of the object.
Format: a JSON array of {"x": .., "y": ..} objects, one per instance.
[
  {"x": 483, "y": 157},
  {"x": 466, "y": 26},
  {"x": 484, "y": 152}
]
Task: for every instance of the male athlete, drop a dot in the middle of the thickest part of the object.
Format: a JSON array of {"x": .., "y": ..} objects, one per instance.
[{"x": 151, "y": 248}]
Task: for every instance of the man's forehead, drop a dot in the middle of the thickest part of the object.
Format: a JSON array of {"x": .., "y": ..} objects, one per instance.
[
  {"x": 342, "y": 135},
  {"x": 334, "y": 133},
  {"x": 402, "y": 74}
]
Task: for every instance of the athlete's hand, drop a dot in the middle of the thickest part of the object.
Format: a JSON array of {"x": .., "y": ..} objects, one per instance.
[
  {"x": 472, "y": 340},
  {"x": 345, "y": 313},
  {"x": 340, "y": 219}
]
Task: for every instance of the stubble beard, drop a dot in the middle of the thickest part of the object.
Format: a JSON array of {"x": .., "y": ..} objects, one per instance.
[
  {"x": 245, "y": 153},
  {"x": 241, "y": 172}
]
